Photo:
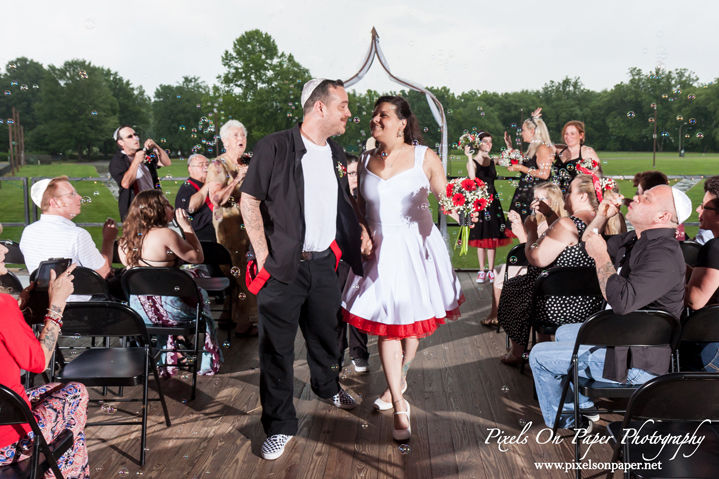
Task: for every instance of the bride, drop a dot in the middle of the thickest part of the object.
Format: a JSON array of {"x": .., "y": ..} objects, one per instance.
[{"x": 409, "y": 287}]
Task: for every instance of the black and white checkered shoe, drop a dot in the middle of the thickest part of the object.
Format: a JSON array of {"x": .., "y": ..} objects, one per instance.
[
  {"x": 274, "y": 446},
  {"x": 343, "y": 400}
]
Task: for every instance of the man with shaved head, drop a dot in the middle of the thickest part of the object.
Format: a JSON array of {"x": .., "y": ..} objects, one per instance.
[{"x": 641, "y": 269}]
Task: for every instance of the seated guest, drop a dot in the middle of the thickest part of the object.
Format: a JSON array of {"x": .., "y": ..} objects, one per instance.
[
  {"x": 54, "y": 235},
  {"x": 559, "y": 245},
  {"x": 647, "y": 180},
  {"x": 147, "y": 241},
  {"x": 641, "y": 269},
  {"x": 192, "y": 196},
  {"x": 703, "y": 287},
  {"x": 544, "y": 192},
  {"x": 134, "y": 167},
  {"x": 55, "y": 406}
]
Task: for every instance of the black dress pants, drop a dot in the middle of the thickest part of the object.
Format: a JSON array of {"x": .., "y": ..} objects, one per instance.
[
  {"x": 357, "y": 339},
  {"x": 311, "y": 302}
]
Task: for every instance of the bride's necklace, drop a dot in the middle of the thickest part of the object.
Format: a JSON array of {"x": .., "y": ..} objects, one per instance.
[{"x": 385, "y": 156}]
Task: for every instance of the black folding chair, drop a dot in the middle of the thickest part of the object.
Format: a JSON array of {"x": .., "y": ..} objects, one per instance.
[
  {"x": 690, "y": 250},
  {"x": 678, "y": 405},
  {"x": 560, "y": 282},
  {"x": 14, "y": 255},
  {"x": 701, "y": 326},
  {"x": 515, "y": 257},
  {"x": 86, "y": 282},
  {"x": 14, "y": 410},
  {"x": 604, "y": 329},
  {"x": 217, "y": 285},
  {"x": 11, "y": 282},
  {"x": 148, "y": 281},
  {"x": 112, "y": 367}
]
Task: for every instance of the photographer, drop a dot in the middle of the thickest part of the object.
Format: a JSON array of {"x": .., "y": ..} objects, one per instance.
[{"x": 134, "y": 169}]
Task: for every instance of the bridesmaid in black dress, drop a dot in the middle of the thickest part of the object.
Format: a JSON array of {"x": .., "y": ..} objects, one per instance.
[
  {"x": 491, "y": 230},
  {"x": 565, "y": 165},
  {"x": 539, "y": 165}
]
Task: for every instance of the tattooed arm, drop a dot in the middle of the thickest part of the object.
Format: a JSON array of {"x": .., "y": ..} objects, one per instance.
[
  {"x": 597, "y": 248},
  {"x": 60, "y": 289},
  {"x": 48, "y": 339},
  {"x": 255, "y": 227}
]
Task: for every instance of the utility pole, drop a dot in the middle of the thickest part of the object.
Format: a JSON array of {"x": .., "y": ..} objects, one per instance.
[{"x": 654, "y": 160}]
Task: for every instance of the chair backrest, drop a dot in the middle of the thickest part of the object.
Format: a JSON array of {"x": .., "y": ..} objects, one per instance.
[
  {"x": 567, "y": 281},
  {"x": 88, "y": 282},
  {"x": 677, "y": 397},
  {"x": 638, "y": 328},
  {"x": 690, "y": 250},
  {"x": 115, "y": 254},
  {"x": 10, "y": 281},
  {"x": 150, "y": 281},
  {"x": 215, "y": 253},
  {"x": 702, "y": 325},
  {"x": 103, "y": 318},
  {"x": 13, "y": 409},
  {"x": 14, "y": 255}
]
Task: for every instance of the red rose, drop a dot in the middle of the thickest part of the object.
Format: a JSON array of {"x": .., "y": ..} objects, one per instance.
[
  {"x": 514, "y": 162},
  {"x": 450, "y": 188},
  {"x": 479, "y": 182},
  {"x": 468, "y": 185},
  {"x": 458, "y": 200}
]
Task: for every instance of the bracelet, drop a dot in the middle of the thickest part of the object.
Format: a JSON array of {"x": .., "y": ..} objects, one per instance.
[
  {"x": 54, "y": 320},
  {"x": 52, "y": 313}
]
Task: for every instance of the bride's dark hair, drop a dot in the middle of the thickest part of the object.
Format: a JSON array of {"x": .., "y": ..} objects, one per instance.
[{"x": 404, "y": 112}]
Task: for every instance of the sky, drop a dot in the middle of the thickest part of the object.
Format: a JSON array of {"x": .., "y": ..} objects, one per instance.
[{"x": 498, "y": 46}]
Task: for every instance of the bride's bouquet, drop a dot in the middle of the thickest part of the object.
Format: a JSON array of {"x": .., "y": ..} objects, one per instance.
[
  {"x": 465, "y": 196},
  {"x": 468, "y": 139},
  {"x": 511, "y": 158}
]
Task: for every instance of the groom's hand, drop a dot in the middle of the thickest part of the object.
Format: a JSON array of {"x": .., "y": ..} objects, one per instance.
[{"x": 367, "y": 245}]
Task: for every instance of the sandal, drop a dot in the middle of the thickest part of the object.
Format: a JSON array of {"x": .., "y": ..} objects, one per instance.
[
  {"x": 511, "y": 359},
  {"x": 491, "y": 322}
]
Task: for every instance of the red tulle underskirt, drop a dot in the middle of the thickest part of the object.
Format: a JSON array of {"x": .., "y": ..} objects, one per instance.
[
  {"x": 419, "y": 329},
  {"x": 489, "y": 242}
]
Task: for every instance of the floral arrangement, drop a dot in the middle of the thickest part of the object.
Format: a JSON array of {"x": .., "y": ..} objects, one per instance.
[
  {"x": 607, "y": 184},
  {"x": 511, "y": 158},
  {"x": 465, "y": 196},
  {"x": 588, "y": 164},
  {"x": 468, "y": 139}
]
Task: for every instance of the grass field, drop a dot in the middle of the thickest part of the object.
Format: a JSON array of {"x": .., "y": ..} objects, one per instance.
[{"x": 104, "y": 205}]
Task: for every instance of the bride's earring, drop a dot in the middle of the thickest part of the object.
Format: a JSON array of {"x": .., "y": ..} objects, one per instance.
[{"x": 399, "y": 134}]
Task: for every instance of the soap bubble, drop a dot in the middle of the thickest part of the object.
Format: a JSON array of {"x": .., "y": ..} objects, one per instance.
[
  {"x": 93, "y": 112},
  {"x": 404, "y": 449},
  {"x": 700, "y": 135},
  {"x": 23, "y": 87},
  {"x": 335, "y": 367},
  {"x": 226, "y": 344},
  {"x": 242, "y": 296},
  {"x": 83, "y": 74},
  {"x": 692, "y": 121},
  {"x": 680, "y": 118},
  {"x": 177, "y": 288},
  {"x": 651, "y": 119},
  {"x": 89, "y": 24},
  {"x": 182, "y": 127},
  {"x": 123, "y": 471},
  {"x": 630, "y": 114},
  {"x": 365, "y": 425},
  {"x": 8, "y": 92},
  {"x": 512, "y": 259},
  {"x": 505, "y": 389},
  {"x": 691, "y": 96},
  {"x": 235, "y": 271}
]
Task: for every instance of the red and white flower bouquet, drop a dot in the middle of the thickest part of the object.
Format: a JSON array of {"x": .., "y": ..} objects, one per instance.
[
  {"x": 468, "y": 139},
  {"x": 511, "y": 158},
  {"x": 465, "y": 196}
]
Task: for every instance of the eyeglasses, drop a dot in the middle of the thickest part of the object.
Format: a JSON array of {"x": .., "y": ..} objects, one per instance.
[
  {"x": 71, "y": 195},
  {"x": 707, "y": 208},
  {"x": 134, "y": 135}
]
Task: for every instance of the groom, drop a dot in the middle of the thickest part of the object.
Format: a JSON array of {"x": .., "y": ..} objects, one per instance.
[{"x": 301, "y": 218}]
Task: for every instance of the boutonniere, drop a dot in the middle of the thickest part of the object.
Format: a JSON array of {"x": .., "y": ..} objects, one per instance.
[{"x": 341, "y": 169}]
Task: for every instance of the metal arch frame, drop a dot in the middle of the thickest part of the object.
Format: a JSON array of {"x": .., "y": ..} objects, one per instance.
[{"x": 434, "y": 104}]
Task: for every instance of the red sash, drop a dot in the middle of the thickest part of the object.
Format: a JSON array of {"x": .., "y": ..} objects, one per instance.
[{"x": 207, "y": 198}]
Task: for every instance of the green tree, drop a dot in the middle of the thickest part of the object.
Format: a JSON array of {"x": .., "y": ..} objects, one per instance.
[
  {"x": 176, "y": 116},
  {"x": 21, "y": 91},
  {"x": 77, "y": 110}
]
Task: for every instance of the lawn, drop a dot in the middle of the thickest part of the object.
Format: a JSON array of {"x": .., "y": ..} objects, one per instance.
[{"x": 103, "y": 205}]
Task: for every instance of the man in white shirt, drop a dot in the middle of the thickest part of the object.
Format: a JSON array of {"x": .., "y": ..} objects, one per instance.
[{"x": 54, "y": 235}]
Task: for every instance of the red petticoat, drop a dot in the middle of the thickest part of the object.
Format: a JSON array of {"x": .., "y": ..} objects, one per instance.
[
  {"x": 419, "y": 329},
  {"x": 490, "y": 243}
]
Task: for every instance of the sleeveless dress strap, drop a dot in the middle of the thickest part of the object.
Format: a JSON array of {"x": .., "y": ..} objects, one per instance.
[{"x": 419, "y": 152}]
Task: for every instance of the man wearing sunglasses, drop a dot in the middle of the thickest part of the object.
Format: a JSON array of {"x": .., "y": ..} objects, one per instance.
[{"x": 134, "y": 167}]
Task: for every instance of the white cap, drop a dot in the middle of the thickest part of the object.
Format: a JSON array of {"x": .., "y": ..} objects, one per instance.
[
  {"x": 682, "y": 205},
  {"x": 308, "y": 89},
  {"x": 37, "y": 190}
]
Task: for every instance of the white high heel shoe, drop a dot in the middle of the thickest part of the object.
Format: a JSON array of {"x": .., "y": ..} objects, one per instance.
[
  {"x": 403, "y": 434},
  {"x": 381, "y": 405}
]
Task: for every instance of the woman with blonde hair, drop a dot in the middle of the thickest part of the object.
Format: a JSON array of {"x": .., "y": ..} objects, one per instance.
[
  {"x": 547, "y": 197},
  {"x": 574, "y": 153},
  {"x": 559, "y": 245},
  {"x": 224, "y": 177},
  {"x": 147, "y": 241},
  {"x": 538, "y": 165}
]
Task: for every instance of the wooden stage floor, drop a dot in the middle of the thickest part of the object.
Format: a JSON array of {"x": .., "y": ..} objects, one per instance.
[{"x": 456, "y": 391}]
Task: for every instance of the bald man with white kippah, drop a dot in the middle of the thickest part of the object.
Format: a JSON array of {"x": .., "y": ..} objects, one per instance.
[{"x": 642, "y": 269}]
